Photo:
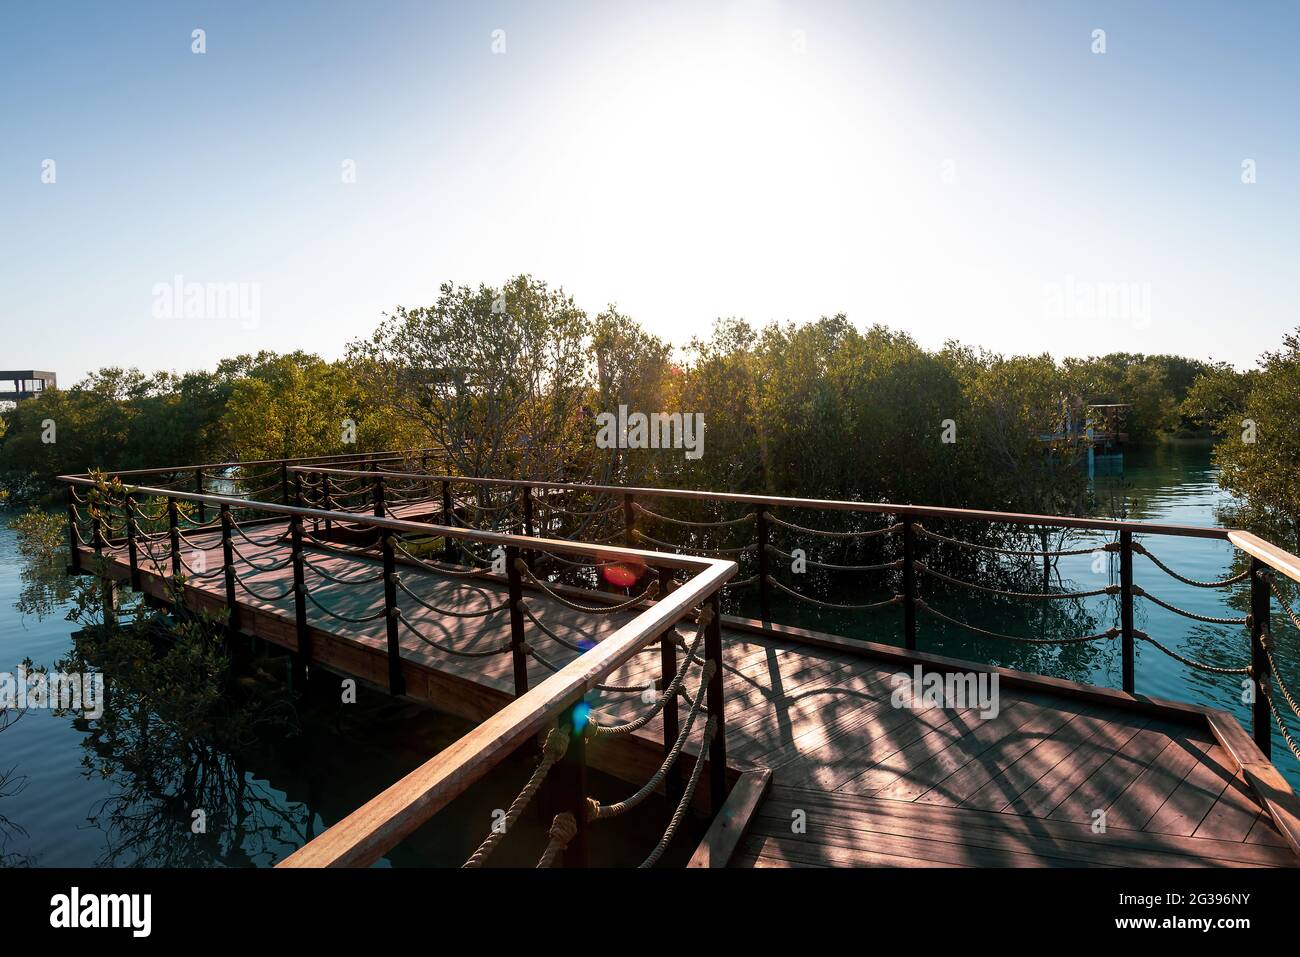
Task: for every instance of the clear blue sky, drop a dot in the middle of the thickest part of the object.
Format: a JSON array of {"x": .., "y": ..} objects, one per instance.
[{"x": 945, "y": 168}]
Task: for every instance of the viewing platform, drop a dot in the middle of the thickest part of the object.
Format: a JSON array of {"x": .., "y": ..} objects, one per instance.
[{"x": 506, "y": 602}]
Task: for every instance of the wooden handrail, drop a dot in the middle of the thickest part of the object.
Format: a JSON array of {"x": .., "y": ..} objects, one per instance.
[
  {"x": 1268, "y": 553},
  {"x": 385, "y": 820},
  {"x": 304, "y": 460},
  {"x": 838, "y": 505},
  {"x": 598, "y": 552}
]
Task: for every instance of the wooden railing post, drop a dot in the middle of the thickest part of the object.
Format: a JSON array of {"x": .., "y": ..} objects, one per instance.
[
  {"x": 198, "y": 487},
  {"x": 396, "y": 683},
  {"x": 629, "y": 522},
  {"x": 228, "y": 560},
  {"x": 297, "y": 488},
  {"x": 714, "y": 703},
  {"x": 1127, "y": 649},
  {"x": 327, "y": 500},
  {"x": 764, "y": 592},
  {"x": 569, "y": 789},
  {"x": 1260, "y": 612},
  {"x": 909, "y": 583},
  {"x": 518, "y": 655},
  {"x": 174, "y": 527},
  {"x": 448, "y": 519},
  {"x": 667, "y": 672},
  {"x": 284, "y": 483},
  {"x": 132, "y": 548},
  {"x": 74, "y": 536},
  {"x": 379, "y": 497},
  {"x": 299, "y": 601},
  {"x": 528, "y": 509}
]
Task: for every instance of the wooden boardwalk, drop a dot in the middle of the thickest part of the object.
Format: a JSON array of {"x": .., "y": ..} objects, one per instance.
[{"x": 855, "y": 780}]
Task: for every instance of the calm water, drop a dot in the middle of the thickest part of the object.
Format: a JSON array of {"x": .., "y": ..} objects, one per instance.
[{"x": 284, "y": 788}]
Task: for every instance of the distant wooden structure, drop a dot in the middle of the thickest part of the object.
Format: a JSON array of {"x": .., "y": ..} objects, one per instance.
[{"x": 19, "y": 384}]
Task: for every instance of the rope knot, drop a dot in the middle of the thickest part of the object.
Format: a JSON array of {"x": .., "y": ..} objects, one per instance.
[
  {"x": 557, "y": 744},
  {"x": 563, "y": 829}
]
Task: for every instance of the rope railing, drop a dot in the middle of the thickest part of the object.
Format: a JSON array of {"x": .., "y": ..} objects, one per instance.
[
  {"x": 1140, "y": 592},
  {"x": 1141, "y": 549},
  {"x": 882, "y": 566},
  {"x": 1006, "y": 593},
  {"x": 869, "y": 606},
  {"x": 1190, "y": 662},
  {"x": 555, "y": 748},
  {"x": 720, "y": 523},
  {"x": 448, "y": 649},
  {"x": 650, "y": 591},
  {"x": 1080, "y": 639},
  {"x": 827, "y": 533},
  {"x": 449, "y": 612},
  {"x": 712, "y": 552},
  {"x": 1057, "y": 553}
]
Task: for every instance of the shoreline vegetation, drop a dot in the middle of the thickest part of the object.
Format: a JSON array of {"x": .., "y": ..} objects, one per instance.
[{"x": 516, "y": 380}]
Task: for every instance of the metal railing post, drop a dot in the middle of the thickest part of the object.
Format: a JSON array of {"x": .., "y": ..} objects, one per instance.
[
  {"x": 667, "y": 672},
  {"x": 132, "y": 548},
  {"x": 303, "y": 655},
  {"x": 327, "y": 500},
  {"x": 228, "y": 560},
  {"x": 566, "y": 785},
  {"x": 174, "y": 527},
  {"x": 74, "y": 536},
  {"x": 448, "y": 519},
  {"x": 396, "y": 683},
  {"x": 764, "y": 593},
  {"x": 1128, "y": 652},
  {"x": 518, "y": 654},
  {"x": 714, "y": 703},
  {"x": 1260, "y": 611},
  {"x": 909, "y": 583}
]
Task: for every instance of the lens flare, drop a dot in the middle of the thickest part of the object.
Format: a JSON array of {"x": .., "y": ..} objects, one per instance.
[{"x": 622, "y": 575}]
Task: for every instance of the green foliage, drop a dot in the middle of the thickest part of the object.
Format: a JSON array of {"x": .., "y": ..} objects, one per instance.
[{"x": 1256, "y": 413}]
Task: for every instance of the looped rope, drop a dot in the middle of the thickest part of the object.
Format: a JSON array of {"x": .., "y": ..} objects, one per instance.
[
  {"x": 563, "y": 830},
  {"x": 448, "y": 649},
  {"x": 828, "y": 604},
  {"x": 1111, "y": 632},
  {"x": 866, "y": 533},
  {"x": 714, "y": 552},
  {"x": 651, "y": 590},
  {"x": 556, "y": 746},
  {"x": 436, "y": 609},
  {"x": 1191, "y": 663},
  {"x": 720, "y": 523},
  {"x": 926, "y": 533},
  {"x": 898, "y": 563},
  {"x": 925, "y": 569},
  {"x": 1140, "y": 592},
  {"x": 1141, "y": 549}
]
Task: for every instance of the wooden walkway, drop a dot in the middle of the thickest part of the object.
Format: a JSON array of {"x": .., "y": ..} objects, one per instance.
[{"x": 856, "y": 781}]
